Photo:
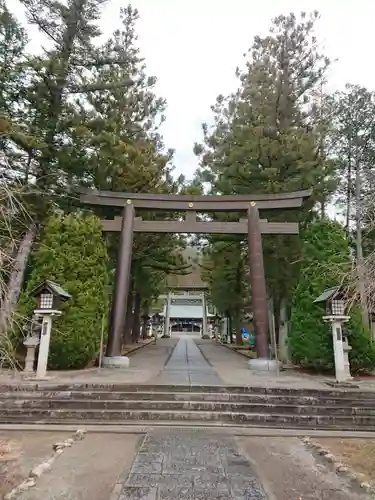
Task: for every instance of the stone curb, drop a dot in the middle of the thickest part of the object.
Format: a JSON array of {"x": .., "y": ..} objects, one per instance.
[
  {"x": 233, "y": 350},
  {"x": 46, "y": 465},
  {"x": 227, "y": 429},
  {"x": 137, "y": 347},
  {"x": 340, "y": 468}
]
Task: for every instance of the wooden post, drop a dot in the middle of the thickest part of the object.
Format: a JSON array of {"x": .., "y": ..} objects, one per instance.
[
  {"x": 122, "y": 282},
  {"x": 258, "y": 283}
]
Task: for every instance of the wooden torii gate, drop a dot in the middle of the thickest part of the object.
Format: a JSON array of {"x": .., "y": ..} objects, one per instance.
[{"x": 253, "y": 226}]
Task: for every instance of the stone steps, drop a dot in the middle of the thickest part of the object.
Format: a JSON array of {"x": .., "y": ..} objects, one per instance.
[
  {"x": 265, "y": 406},
  {"x": 38, "y": 416},
  {"x": 118, "y": 404},
  {"x": 6, "y": 397},
  {"x": 48, "y": 388},
  {"x": 22, "y": 397}
]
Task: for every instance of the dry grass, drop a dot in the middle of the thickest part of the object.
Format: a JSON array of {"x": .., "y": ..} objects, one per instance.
[
  {"x": 358, "y": 454},
  {"x": 127, "y": 349},
  {"x": 9, "y": 475},
  {"x": 248, "y": 353},
  {"x": 12, "y": 224},
  {"x": 243, "y": 350}
]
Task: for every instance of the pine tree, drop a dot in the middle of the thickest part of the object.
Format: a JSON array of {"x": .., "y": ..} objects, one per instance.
[
  {"x": 14, "y": 163},
  {"x": 13, "y": 40},
  {"x": 58, "y": 81},
  {"x": 355, "y": 129},
  {"x": 265, "y": 138},
  {"x": 224, "y": 270},
  {"x": 128, "y": 154}
]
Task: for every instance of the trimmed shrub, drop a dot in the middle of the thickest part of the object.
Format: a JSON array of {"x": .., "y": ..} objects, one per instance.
[
  {"x": 325, "y": 258},
  {"x": 72, "y": 253}
]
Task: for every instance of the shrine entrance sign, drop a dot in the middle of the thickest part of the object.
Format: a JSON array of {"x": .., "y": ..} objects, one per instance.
[{"x": 252, "y": 225}]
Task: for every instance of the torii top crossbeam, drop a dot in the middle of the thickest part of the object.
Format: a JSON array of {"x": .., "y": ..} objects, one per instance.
[{"x": 200, "y": 203}]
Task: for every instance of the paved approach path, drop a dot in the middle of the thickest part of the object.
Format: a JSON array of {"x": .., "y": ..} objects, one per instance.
[
  {"x": 187, "y": 366},
  {"x": 186, "y": 465}
]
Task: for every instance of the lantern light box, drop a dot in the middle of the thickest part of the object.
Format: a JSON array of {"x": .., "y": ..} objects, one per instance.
[
  {"x": 334, "y": 301},
  {"x": 49, "y": 296}
]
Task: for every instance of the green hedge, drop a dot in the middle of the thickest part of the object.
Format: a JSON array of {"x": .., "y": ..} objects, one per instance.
[
  {"x": 324, "y": 260},
  {"x": 72, "y": 253}
]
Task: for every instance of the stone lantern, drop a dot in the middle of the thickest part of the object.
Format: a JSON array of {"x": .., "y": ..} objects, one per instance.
[
  {"x": 145, "y": 324},
  {"x": 334, "y": 300},
  {"x": 156, "y": 322},
  {"x": 31, "y": 343},
  {"x": 49, "y": 297},
  {"x": 217, "y": 323}
]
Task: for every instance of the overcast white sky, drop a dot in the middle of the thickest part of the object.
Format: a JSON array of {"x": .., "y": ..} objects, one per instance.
[{"x": 194, "y": 46}]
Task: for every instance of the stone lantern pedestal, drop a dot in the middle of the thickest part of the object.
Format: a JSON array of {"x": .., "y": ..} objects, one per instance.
[
  {"x": 347, "y": 348},
  {"x": 341, "y": 347},
  {"x": 31, "y": 343},
  {"x": 335, "y": 302}
]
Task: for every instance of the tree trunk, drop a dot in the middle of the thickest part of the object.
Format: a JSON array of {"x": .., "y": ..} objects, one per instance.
[
  {"x": 16, "y": 278},
  {"x": 237, "y": 311},
  {"x": 322, "y": 209},
  {"x": 349, "y": 179},
  {"x": 237, "y": 326},
  {"x": 276, "y": 315},
  {"x": 145, "y": 315},
  {"x": 136, "y": 330},
  {"x": 359, "y": 249},
  {"x": 126, "y": 338},
  {"x": 283, "y": 332},
  {"x": 230, "y": 327}
]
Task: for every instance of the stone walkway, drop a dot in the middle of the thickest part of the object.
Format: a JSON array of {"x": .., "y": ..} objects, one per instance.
[
  {"x": 186, "y": 465},
  {"x": 187, "y": 366},
  {"x": 186, "y": 360},
  {"x": 233, "y": 369},
  {"x": 145, "y": 365}
]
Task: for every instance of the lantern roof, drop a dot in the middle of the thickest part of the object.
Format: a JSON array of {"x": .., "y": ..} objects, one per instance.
[
  {"x": 53, "y": 288},
  {"x": 329, "y": 294}
]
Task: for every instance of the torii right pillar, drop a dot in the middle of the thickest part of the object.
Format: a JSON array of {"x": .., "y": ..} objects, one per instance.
[{"x": 259, "y": 293}]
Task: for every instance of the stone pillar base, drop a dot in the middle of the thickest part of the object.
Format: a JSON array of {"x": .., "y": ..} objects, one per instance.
[
  {"x": 116, "y": 362},
  {"x": 264, "y": 365}
]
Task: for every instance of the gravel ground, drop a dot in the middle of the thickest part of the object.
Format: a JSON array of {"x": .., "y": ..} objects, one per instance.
[
  {"x": 290, "y": 472},
  {"x": 86, "y": 471},
  {"x": 357, "y": 454},
  {"x": 21, "y": 451}
]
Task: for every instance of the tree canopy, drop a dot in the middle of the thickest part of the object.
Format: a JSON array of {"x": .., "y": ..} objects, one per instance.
[{"x": 83, "y": 111}]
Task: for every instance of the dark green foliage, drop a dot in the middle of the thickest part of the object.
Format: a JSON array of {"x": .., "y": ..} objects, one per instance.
[
  {"x": 362, "y": 356},
  {"x": 73, "y": 254},
  {"x": 324, "y": 260}
]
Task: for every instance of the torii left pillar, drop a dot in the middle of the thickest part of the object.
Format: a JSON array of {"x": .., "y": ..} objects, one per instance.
[
  {"x": 259, "y": 293},
  {"x": 121, "y": 290}
]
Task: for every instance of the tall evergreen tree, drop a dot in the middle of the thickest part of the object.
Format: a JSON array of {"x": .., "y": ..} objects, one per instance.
[
  {"x": 125, "y": 152},
  {"x": 13, "y": 40},
  {"x": 265, "y": 139},
  {"x": 355, "y": 149}
]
